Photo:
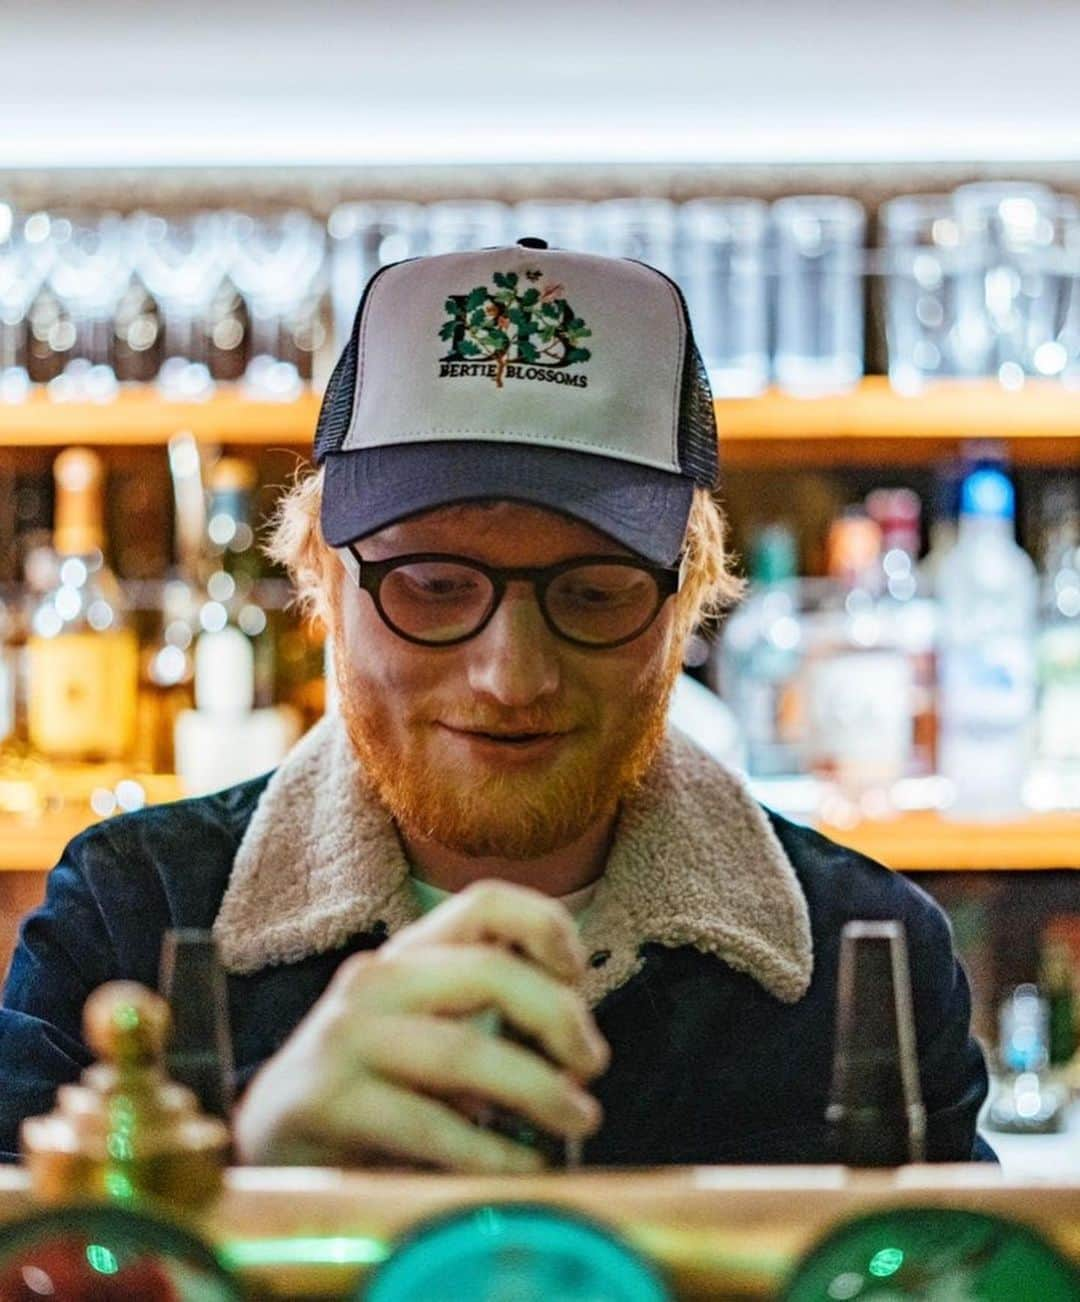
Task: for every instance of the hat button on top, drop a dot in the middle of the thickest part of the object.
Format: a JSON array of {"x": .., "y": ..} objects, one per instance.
[{"x": 532, "y": 242}]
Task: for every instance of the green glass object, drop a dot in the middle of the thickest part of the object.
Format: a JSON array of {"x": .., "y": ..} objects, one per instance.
[
  {"x": 514, "y": 1252},
  {"x": 934, "y": 1254},
  {"x": 108, "y": 1254}
]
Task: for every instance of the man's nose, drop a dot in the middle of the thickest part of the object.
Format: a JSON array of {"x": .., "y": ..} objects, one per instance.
[{"x": 515, "y": 659}]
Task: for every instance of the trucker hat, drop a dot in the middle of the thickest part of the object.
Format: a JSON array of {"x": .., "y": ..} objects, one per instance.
[{"x": 561, "y": 379}]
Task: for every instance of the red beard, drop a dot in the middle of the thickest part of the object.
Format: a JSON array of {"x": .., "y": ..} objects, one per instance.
[{"x": 513, "y": 813}]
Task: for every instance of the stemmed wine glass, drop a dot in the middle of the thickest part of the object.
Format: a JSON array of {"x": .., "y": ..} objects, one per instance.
[
  {"x": 20, "y": 276},
  {"x": 277, "y": 259},
  {"x": 89, "y": 262},
  {"x": 363, "y": 238},
  {"x": 182, "y": 261}
]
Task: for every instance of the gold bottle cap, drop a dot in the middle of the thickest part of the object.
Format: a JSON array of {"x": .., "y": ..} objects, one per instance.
[
  {"x": 125, "y": 1131},
  {"x": 79, "y": 526},
  {"x": 853, "y": 546},
  {"x": 233, "y": 474}
]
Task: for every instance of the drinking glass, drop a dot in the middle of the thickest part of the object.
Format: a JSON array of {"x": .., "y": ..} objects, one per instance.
[
  {"x": 457, "y": 225},
  {"x": 89, "y": 265},
  {"x": 564, "y": 223},
  {"x": 1004, "y": 305},
  {"x": 1069, "y": 338},
  {"x": 819, "y": 295},
  {"x": 640, "y": 228},
  {"x": 182, "y": 261},
  {"x": 20, "y": 277},
  {"x": 722, "y": 273},
  {"x": 1054, "y": 328},
  {"x": 276, "y": 262},
  {"x": 363, "y": 238},
  {"x": 922, "y": 259}
]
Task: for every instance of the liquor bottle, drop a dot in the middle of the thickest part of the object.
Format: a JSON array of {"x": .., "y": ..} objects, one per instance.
[
  {"x": 224, "y": 740},
  {"x": 987, "y": 594},
  {"x": 1058, "y": 982},
  {"x": 944, "y": 513},
  {"x": 235, "y": 568},
  {"x": 166, "y": 679},
  {"x": 760, "y": 655},
  {"x": 235, "y": 730},
  {"x": 301, "y": 679},
  {"x": 82, "y": 652},
  {"x": 167, "y": 668},
  {"x": 858, "y": 679},
  {"x": 1027, "y": 1096},
  {"x": 909, "y": 613},
  {"x": 1058, "y": 727}
]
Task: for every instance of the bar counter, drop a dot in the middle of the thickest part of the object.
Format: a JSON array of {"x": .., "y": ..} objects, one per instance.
[{"x": 719, "y": 1233}]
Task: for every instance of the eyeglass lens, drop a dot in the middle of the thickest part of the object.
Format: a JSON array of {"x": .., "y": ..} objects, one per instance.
[{"x": 443, "y": 601}]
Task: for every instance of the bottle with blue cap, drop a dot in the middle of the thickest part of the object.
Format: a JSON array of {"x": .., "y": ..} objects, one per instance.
[{"x": 988, "y": 592}]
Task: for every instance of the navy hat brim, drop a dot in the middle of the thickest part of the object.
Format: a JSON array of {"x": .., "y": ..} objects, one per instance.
[{"x": 644, "y": 508}]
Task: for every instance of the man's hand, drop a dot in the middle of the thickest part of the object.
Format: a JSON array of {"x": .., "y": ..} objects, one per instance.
[{"x": 370, "y": 1073}]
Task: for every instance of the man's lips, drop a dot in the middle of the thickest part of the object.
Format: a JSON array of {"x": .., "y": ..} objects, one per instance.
[{"x": 507, "y": 737}]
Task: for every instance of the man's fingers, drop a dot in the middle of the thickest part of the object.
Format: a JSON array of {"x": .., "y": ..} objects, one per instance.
[
  {"x": 460, "y": 979},
  {"x": 379, "y": 1115},
  {"x": 501, "y": 913},
  {"x": 437, "y": 1055}
]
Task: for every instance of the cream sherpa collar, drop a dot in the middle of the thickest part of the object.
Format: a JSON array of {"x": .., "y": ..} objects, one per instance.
[{"x": 695, "y": 862}]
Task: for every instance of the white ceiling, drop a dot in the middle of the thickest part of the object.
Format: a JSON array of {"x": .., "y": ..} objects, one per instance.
[{"x": 117, "y": 82}]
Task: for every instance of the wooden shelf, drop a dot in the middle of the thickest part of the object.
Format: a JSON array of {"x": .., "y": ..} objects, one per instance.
[
  {"x": 922, "y": 842},
  {"x": 870, "y": 425},
  {"x": 141, "y": 417},
  {"x": 911, "y": 843},
  {"x": 873, "y": 424},
  {"x": 34, "y": 841}
]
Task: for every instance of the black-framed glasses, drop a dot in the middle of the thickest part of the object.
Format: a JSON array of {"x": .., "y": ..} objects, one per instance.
[{"x": 435, "y": 599}]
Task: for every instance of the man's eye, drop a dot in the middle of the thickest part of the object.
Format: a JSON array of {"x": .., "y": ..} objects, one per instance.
[
  {"x": 439, "y": 585},
  {"x": 588, "y": 594}
]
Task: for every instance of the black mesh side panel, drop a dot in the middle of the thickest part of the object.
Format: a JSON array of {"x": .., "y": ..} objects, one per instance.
[
  {"x": 697, "y": 420},
  {"x": 337, "y": 404},
  {"x": 336, "y": 409},
  {"x": 697, "y": 416}
]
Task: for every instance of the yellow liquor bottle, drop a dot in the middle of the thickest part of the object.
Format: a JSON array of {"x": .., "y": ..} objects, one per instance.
[{"x": 82, "y": 651}]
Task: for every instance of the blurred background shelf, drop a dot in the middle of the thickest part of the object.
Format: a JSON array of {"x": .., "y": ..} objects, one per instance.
[
  {"x": 141, "y": 417},
  {"x": 873, "y": 424},
  {"x": 870, "y": 425},
  {"x": 913, "y": 842},
  {"x": 924, "y": 841},
  {"x": 32, "y": 842}
]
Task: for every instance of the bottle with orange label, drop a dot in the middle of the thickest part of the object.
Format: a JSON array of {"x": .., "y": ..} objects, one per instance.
[
  {"x": 858, "y": 679},
  {"x": 82, "y": 651}
]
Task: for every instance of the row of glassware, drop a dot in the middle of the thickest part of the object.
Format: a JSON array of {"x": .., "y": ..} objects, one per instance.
[{"x": 984, "y": 281}]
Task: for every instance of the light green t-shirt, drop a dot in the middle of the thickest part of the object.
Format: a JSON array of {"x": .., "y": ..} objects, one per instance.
[{"x": 427, "y": 896}]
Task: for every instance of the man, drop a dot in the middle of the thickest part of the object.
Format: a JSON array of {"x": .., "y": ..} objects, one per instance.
[{"x": 510, "y": 536}]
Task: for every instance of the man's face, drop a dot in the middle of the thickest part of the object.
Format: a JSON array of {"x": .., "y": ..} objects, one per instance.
[{"x": 423, "y": 719}]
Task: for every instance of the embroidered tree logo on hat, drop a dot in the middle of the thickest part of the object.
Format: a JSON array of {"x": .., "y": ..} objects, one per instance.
[{"x": 514, "y": 323}]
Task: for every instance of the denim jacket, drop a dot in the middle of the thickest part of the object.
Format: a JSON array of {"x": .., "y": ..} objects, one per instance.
[{"x": 713, "y": 941}]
